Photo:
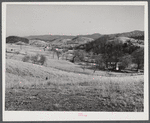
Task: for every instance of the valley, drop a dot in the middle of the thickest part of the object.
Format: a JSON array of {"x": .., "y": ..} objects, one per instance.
[{"x": 74, "y": 75}]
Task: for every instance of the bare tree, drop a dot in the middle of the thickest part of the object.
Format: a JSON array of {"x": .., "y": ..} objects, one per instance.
[{"x": 56, "y": 51}]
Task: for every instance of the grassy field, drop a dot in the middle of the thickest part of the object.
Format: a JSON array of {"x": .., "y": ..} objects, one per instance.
[{"x": 68, "y": 88}]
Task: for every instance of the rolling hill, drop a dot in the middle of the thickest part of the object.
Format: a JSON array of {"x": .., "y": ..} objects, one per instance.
[
  {"x": 49, "y": 38},
  {"x": 27, "y": 88},
  {"x": 38, "y": 43},
  {"x": 93, "y": 36},
  {"x": 14, "y": 39},
  {"x": 135, "y": 37},
  {"x": 133, "y": 34}
]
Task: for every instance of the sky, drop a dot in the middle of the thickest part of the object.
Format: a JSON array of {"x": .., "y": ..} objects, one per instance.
[{"x": 25, "y": 20}]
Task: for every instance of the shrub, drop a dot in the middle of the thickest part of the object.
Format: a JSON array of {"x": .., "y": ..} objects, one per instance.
[
  {"x": 42, "y": 59},
  {"x": 26, "y": 58},
  {"x": 125, "y": 61},
  {"x": 38, "y": 59},
  {"x": 34, "y": 58},
  {"x": 101, "y": 66}
]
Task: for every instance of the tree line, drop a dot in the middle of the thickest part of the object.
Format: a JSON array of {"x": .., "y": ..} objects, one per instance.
[{"x": 105, "y": 52}]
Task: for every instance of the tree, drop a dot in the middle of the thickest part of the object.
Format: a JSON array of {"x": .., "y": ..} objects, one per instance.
[
  {"x": 117, "y": 52},
  {"x": 125, "y": 61},
  {"x": 112, "y": 52},
  {"x": 99, "y": 62},
  {"x": 42, "y": 59},
  {"x": 36, "y": 59},
  {"x": 57, "y": 51},
  {"x": 138, "y": 58},
  {"x": 78, "y": 54}
]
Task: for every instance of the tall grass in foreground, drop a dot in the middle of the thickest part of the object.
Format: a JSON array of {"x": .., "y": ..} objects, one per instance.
[
  {"x": 27, "y": 89},
  {"x": 92, "y": 95},
  {"x": 77, "y": 96}
]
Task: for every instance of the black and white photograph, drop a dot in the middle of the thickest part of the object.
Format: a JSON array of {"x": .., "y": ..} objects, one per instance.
[{"x": 75, "y": 61}]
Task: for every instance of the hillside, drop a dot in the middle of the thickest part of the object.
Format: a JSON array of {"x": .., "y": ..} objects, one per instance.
[
  {"x": 62, "y": 41},
  {"x": 38, "y": 43},
  {"x": 49, "y": 38},
  {"x": 133, "y": 34},
  {"x": 134, "y": 38},
  {"x": 93, "y": 36},
  {"x": 14, "y": 39},
  {"x": 28, "y": 90},
  {"x": 81, "y": 41}
]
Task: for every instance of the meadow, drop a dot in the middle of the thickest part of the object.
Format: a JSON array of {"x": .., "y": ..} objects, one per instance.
[{"x": 67, "y": 87}]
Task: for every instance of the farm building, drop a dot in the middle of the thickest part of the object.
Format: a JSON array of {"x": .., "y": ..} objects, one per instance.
[{"x": 113, "y": 65}]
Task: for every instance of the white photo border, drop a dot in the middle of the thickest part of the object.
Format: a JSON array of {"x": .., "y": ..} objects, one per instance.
[{"x": 73, "y": 116}]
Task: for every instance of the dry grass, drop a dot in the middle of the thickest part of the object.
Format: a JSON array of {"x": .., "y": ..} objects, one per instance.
[
  {"x": 62, "y": 65},
  {"x": 68, "y": 91}
]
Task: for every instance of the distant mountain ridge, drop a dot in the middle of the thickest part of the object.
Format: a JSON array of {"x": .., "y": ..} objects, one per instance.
[
  {"x": 93, "y": 36},
  {"x": 53, "y": 37},
  {"x": 133, "y": 34},
  {"x": 49, "y": 38},
  {"x": 136, "y": 33},
  {"x": 79, "y": 41}
]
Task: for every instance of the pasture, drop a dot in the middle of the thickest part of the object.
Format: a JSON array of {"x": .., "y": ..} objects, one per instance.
[{"x": 67, "y": 87}]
